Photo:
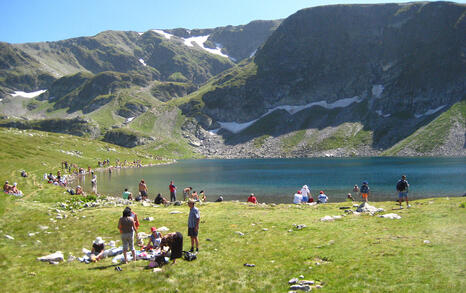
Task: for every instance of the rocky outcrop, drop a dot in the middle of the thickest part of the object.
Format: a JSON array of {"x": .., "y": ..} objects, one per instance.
[
  {"x": 126, "y": 138},
  {"x": 76, "y": 126}
]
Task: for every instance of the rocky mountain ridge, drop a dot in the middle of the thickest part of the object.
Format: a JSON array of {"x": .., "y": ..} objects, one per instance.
[{"x": 342, "y": 80}]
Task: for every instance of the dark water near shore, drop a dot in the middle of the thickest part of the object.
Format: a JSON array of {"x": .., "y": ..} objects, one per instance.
[{"x": 276, "y": 180}]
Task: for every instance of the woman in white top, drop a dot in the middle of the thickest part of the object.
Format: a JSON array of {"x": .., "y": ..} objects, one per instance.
[{"x": 306, "y": 193}]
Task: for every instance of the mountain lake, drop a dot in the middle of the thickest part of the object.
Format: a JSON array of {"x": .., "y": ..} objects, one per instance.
[{"x": 276, "y": 180}]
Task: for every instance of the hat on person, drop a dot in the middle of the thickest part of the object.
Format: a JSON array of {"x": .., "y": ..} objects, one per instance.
[
  {"x": 153, "y": 229},
  {"x": 365, "y": 182},
  {"x": 14, "y": 184},
  {"x": 321, "y": 192},
  {"x": 6, "y": 182},
  {"x": 79, "y": 186},
  {"x": 99, "y": 240},
  {"x": 299, "y": 192}
]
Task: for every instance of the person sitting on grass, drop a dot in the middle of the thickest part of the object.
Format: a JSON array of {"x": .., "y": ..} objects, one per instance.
[
  {"x": 98, "y": 247},
  {"x": 6, "y": 187},
  {"x": 202, "y": 196},
  {"x": 79, "y": 190},
  {"x": 349, "y": 197},
  {"x": 252, "y": 199},
  {"x": 297, "y": 198},
  {"x": 154, "y": 239},
  {"x": 194, "y": 196},
  {"x": 14, "y": 190},
  {"x": 160, "y": 200},
  {"x": 127, "y": 195},
  {"x": 322, "y": 197}
]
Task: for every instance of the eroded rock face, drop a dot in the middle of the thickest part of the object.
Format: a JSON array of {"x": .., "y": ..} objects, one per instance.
[{"x": 125, "y": 138}]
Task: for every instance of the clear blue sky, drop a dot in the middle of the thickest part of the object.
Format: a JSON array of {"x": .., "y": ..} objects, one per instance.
[{"x": 50, "y": 20}]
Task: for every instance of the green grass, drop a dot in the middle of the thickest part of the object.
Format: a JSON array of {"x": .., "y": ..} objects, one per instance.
[
  {"x": 363, "y": 253},
  {"x": 259, "y": 141},
  {"x": 291, "y": 141},
  {"x": 347, "y": 135},
  {"x": 434, "y": 134}
]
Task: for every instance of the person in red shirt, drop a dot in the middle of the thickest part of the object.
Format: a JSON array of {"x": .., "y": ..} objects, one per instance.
[
  {"x": 252, "y": 199},
  {"x": 172, "y": 188}
]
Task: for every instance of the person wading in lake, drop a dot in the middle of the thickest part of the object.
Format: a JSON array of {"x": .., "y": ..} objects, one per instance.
[
  {"x": 402, "y": 187},
  {"x": 193, "y": 224},
  {"x": 172, "y": 189}
]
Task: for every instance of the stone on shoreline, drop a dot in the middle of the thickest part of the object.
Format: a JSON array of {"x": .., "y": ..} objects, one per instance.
[{"x": 367, "y": 208}]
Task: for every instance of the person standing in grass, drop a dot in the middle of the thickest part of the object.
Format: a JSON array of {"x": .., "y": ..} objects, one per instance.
[
  {"x": 127, "y": 228},
  {"x": 365, "y": 190},
  {"x": 172, "y": 189},
  {"x": 193, "y": 224},
  {"x": 402, "y": 187}
]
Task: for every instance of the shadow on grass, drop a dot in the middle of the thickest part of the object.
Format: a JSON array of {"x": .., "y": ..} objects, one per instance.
[{"x": 104, "y": 267}]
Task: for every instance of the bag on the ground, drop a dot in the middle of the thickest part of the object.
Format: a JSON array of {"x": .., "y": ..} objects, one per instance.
[{"x": 189, "y": 256}]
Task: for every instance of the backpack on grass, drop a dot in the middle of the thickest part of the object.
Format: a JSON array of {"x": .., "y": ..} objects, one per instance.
[{"x": 189, "y": 256}]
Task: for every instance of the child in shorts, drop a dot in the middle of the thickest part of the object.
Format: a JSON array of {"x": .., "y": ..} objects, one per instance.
[{"x": 365, "y": 191}]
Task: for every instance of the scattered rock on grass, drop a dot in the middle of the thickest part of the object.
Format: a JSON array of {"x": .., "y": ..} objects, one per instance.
[
  {"x": 10, "y": 237},
  {"x": 367, "y": 208},
  {"x": 301, "y": 287},
  {"x": 293, "y": 281},
  {"x": 163, "y": 229},
  {"x": 239, "y": 233},
  {"x": 176, "y": 212},
  {"x": 391, "y": 216},
  {"x": 150, "y": 219},
  {"x": 427, "y": 242},
  {"x": 249, "y": 265}
]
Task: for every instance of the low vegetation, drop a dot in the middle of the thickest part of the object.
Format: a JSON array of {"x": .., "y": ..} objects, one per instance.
[{"x": 353, "y": 254}]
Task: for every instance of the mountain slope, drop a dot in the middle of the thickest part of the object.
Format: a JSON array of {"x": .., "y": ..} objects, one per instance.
[{"x": 391, "y": 68}]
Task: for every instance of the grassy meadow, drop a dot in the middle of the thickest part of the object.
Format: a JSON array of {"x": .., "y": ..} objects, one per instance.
[{"x": 358, "y": 253}]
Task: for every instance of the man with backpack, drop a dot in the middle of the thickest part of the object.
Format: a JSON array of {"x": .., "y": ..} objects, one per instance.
[{"x": 402, "y": 187}]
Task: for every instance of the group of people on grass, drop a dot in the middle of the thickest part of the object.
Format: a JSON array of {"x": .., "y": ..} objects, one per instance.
[
  {"x": 12, "y": 189},
  {"x": 170, "y": 245},
  {"x": 143, "y": 193},
  {"x": 304, "y": 195}
]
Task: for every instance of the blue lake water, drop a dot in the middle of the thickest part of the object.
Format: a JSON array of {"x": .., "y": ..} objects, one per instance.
[{"x": 276, "y": 180}]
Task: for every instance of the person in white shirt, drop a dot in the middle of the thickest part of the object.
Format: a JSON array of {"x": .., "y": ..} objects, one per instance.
[{"x": 298, "y": 198}]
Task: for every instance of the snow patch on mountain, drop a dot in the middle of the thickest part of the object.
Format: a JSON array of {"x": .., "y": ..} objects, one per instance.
[
  {"x": 430, "y": 112},
  {"x": 28, "y": 95},
  {"x": 200, "y": 40},
  {"x": 253, "y": 53},
  {"x": 164, "y": 34},
  {"x": 142, "y": 62},
  {"x": 236, "y": 127}
]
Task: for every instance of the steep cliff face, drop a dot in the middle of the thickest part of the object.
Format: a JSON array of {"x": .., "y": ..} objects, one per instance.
[
  {"x": 392, "y": 67},
  {"x": 402, "y": 57}
]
